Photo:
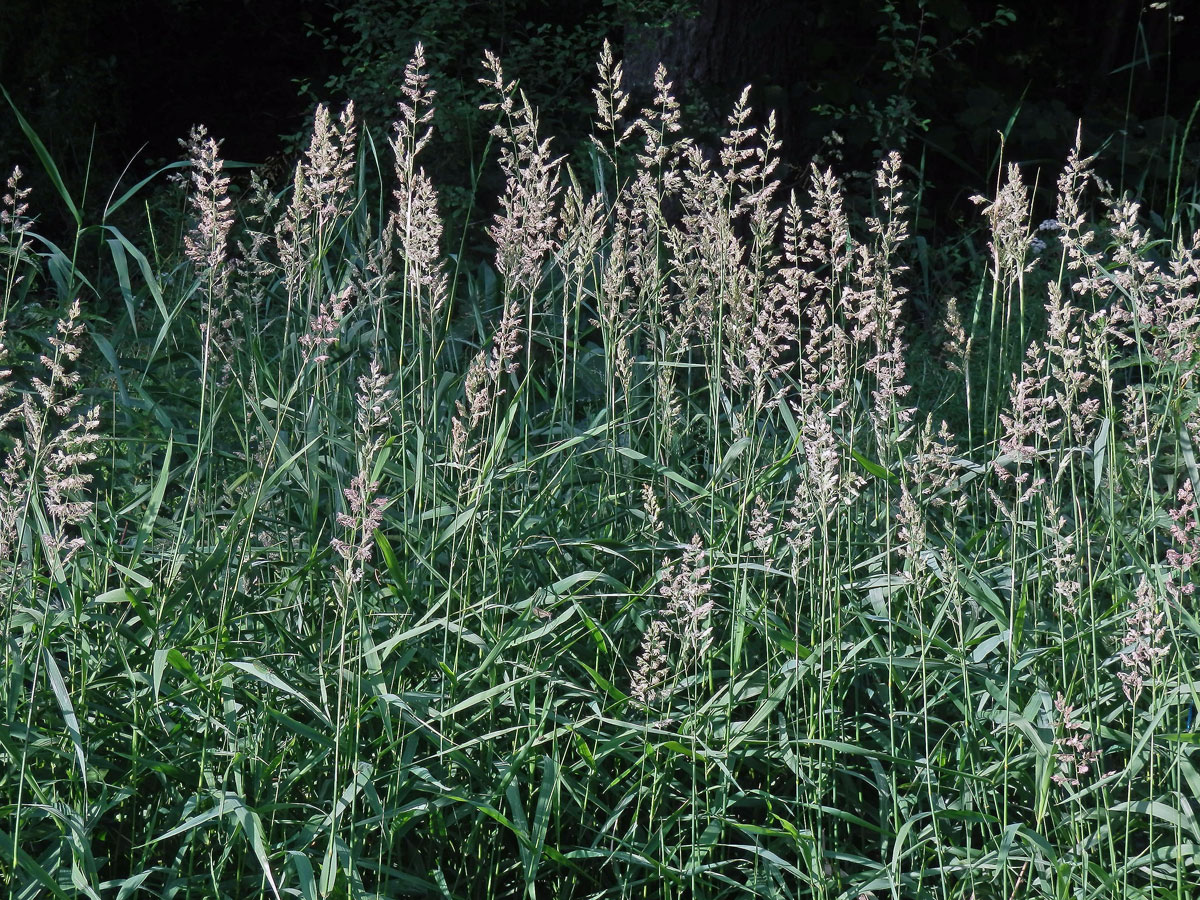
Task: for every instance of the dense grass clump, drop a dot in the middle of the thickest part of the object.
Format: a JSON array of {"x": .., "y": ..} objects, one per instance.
[{"x": 624, "y": 567}]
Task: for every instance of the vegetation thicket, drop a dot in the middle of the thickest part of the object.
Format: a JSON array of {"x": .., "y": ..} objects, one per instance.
[{"x": 647, "y": 560}]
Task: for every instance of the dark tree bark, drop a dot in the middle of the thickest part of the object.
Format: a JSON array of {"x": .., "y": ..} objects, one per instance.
[
  {"x": 1114, "y": 26},
  {"x": 727, "y": 43}
]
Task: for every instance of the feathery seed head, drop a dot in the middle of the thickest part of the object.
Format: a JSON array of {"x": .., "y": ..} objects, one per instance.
[
  {"x": 324, "y": 326},
  {"x": 1144, "y": 642},
  {"x": 1075, "y": 755},
  {"x": 206, "y": 244},
  {"x": 1008, "y": 216}
]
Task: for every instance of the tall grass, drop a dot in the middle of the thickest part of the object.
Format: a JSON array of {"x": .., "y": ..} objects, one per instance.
[{"x": 622, "y": 567}]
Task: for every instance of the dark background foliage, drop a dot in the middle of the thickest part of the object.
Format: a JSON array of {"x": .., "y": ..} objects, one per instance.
[{"x": 111, "y": 85}]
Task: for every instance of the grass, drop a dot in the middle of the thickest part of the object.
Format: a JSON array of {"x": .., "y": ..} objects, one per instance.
[{"x": 619, "y": 568}]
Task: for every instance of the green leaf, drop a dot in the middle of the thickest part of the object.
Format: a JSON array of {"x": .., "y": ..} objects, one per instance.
[
  {"x": 67, "y": 709},
  {"x": 47, "y": 160},
  {"x": 873, "y": 468},
  {"x": 31, "y": 867},
  {"x": 266, "y": 676}
]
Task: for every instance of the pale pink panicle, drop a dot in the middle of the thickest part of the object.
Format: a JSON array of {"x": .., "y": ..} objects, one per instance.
[
  {"x": 651, "y": 507},
  {"x": 1184, "y": 529},
  {"x": 611, "y": 100},
  {"x": 13, "y": 478},
  {"x": 684, "y": 617},
  {"x": 874, "y": 304},
  {"x": 459, "y": 442},
  {"x": 14, "y": 207},
  {"x": 1182, "y": 558},
  {"x": 374, "y": 401},
  {"x": 416, "y": 109},
  {"x": 825, "y": 484},
  {"x": 957, "y": 345},
  {"x": 686, "y": 587},
  {"x": 1071, "y": 217},
  {"x": 1076, "y": 757},
  {"x": 649, "y": 682},
  {"x": 323, "y": 328},
  {"x": 935, "y": 469},
  {"x": 14, "y": 223},
  {"x": 1008, "y": 216},
  {"x": 364, "y": 505},
  {"x": 1071, "y": 379},
  {"x": 1063, "y": 559},
  {"x": 206, "y": 244},
  {"x": 1026, "y": 427},
  {"x": 416, "y": 222},
  {"x": 523, "y": 234},
  {"x": 911, "y": 531},
  {"x": 364, "y": 516},
  {"x": 761, "y": 530},
  {"x": 57, "y": 439},
  {"x": 1144, "y": 642},
  {"x": 328, "y": 168},
  {"x": 508, "y": 341},
  {"x": 479, "y": 395},
  {"x": 523, "y": 230},
  {"x": 656, "y": 123},
  {"x": 321, "y": 189},
  {"x": 481, "y": 382},
  {"x": 254, "y": 269}
]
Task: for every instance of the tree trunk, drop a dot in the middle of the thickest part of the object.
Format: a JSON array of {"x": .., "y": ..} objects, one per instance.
[{"x": 726, "y": 44}]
